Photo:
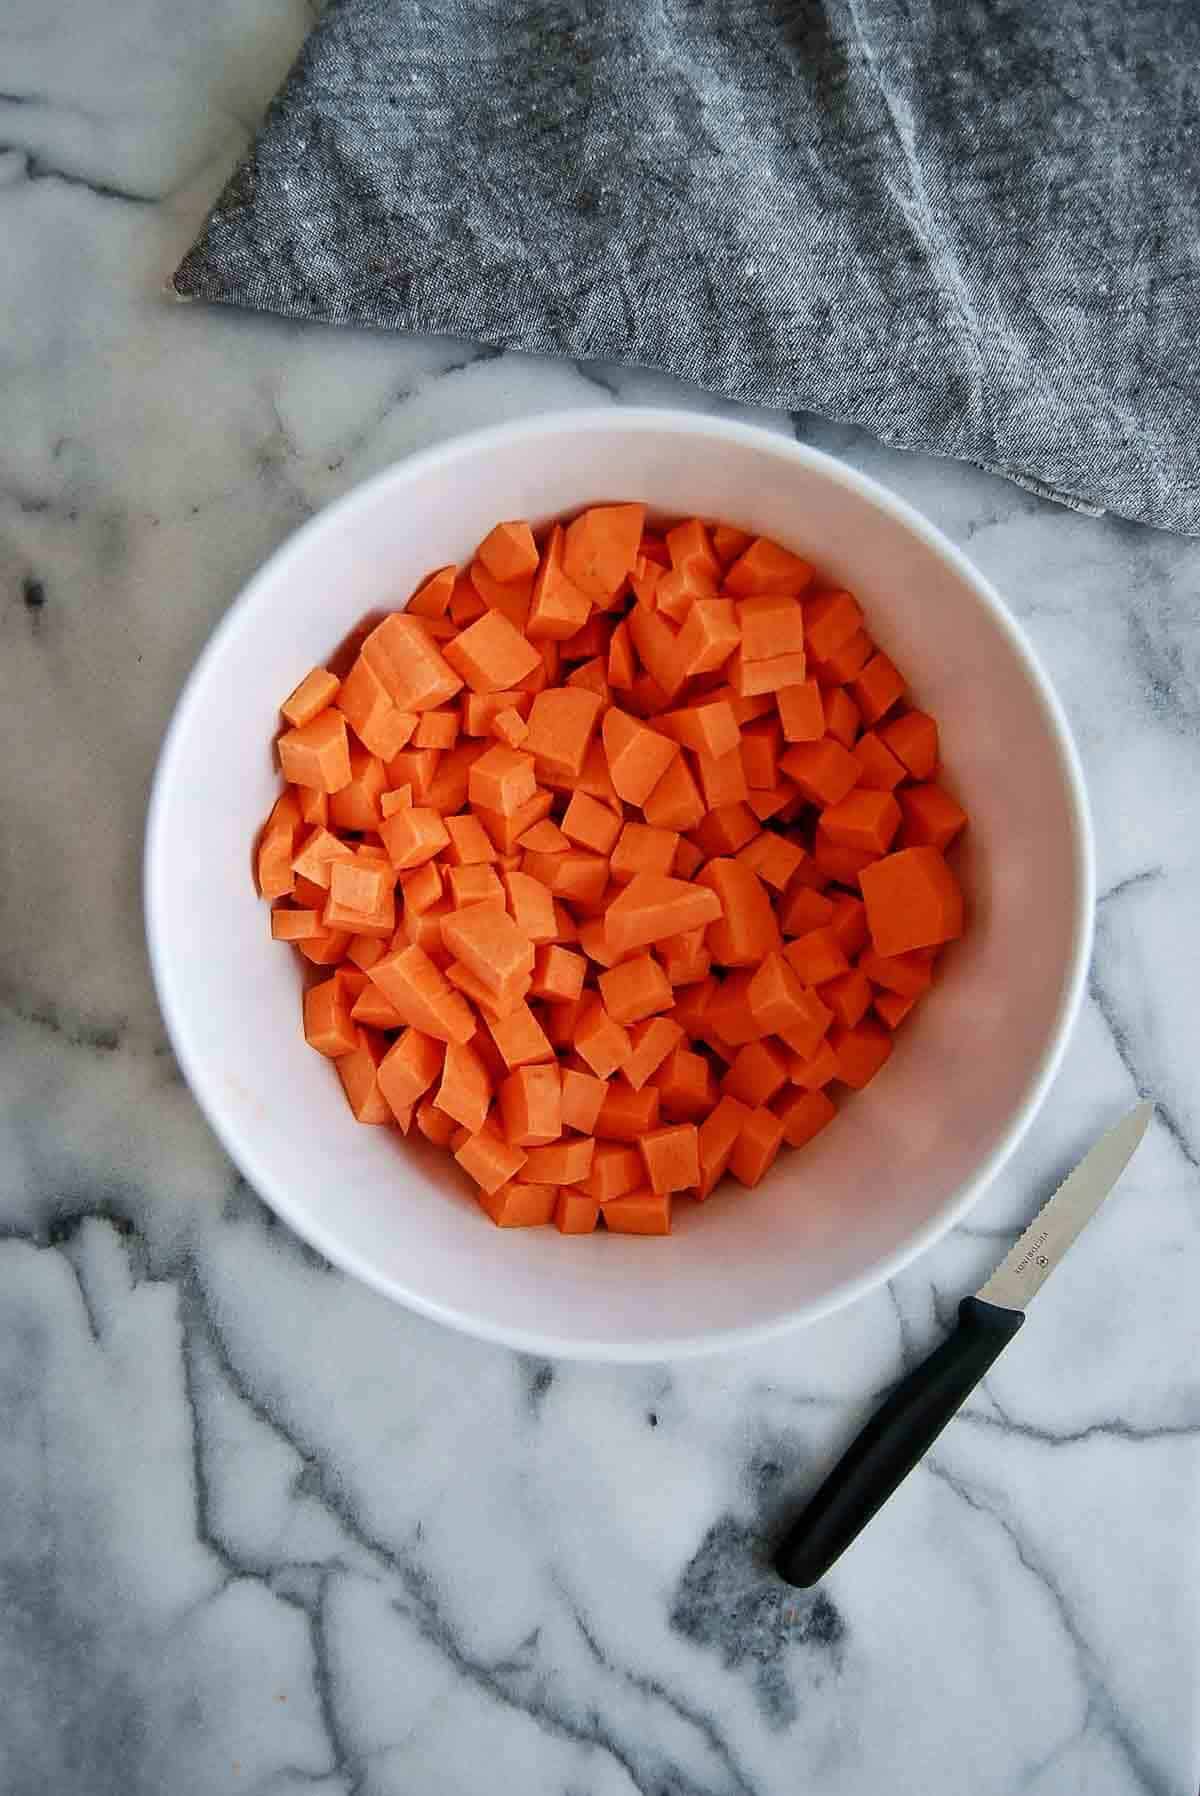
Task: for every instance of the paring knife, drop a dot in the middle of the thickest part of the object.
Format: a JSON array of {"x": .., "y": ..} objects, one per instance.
[{"x": 902, "y": 1431}]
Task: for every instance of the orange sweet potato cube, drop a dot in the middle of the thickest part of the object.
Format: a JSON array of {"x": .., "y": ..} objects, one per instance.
[
  {"x": 326, "y": 949},
  {"x": 824, "y": 771},
  {"x": 591, "y": 824},
  {"x": 413, "y": 836},
  {"x": 816, "y": 956},
  {"x": 722, "y": 779},
  {"x": 328, "y": 1026},
  {"x": 716, "y": 1138},
  {"x": 433, "y": 598},
  {"x": 318, "y": 753},
  {"x": 565, "y": 1162},
  {"x": 842, "y": 716},
  {"x": 316, "y": 690},
  {"x": 685, "y": 1085},
  {"x": 767, "y": 568},
  {"x": 671, "y": 1157},
  {"x": 492, "y": 1005},
  {"x": 652, "y": 1041},
  {"x": 436, "y": 729},
  {"x": 603, "y": 1043},
  {"x": 422, "y": 994},
  {"x": 367, "y": 706},
  {"x": 757, "y": 1144},
  {"x": 600, "y": 548},
  {"x": 775, "y": 996},
  {"x": 503, "y": 780},
  {"x": 531, "y": 905},
  {"x": 561, "y": 726},
  {"x": 641, "y": 849},
  {"x": 685, "y": 957},
  {"x": 653, "y": 906},
  {"x": 409, "y": 1068},
  {"x": 860, "y": 1051},
  {"x": 770, "y": 626},
  {"x": 812, "y": 1071},
  {"x": 358, "y": 806},
  {"x": 510, "y": 727},
  {"x": 913, "y": 901},
  {"x": 292, "y": 925},
  {"x": 848, "y": 996},
  {"x": 507, "y": 831},
  {"x": 359, "y": 1073},
  {"x": 317, "y": 852},
  {"x": 801, "y": 712},
  {"x": 931, "y": 816},
  {"x": 434, "y": 1124},
  {"x": 616, "y": 1170},
  {"x": 558, "y": 973},
  {"x": 412, "y": 668},
  {"x": 804, "y": 1115},
  {"x": 635, "y": 989},
  {"x": 746, "y": 931},
  {"x": 773, "y": 857},
  {"x": 465, "y": 1092},
  {"x": 489, "y": 1159},
  {"x": 830, "y": 620},
  {"x": 627, "y": 1115},
  {"x": 845, "y": 662},
  {"x": 485, "y": 939},
  {"x": 276, "y": 848},
  {"x": 892, "y": 1007},
  {"x": 376, "y": 1011},
  {"x": 491, "y": 654},
  {"x": 575, "y": 1214},
  {"x": 474, "y": 885},
  {"x": 913, "y": 739},
  {"x": 582, "y": 1097},
  {"x": 866, "y": 819},
  {"x": 531, "y": 1105},
  {"x": 757, "y": 1072},
  {"x": 508, "y": 551},
  {"x": 879, "y": 769},
  {"x": 641, "y": 1213},
  {"x": 877, "y": 688},
  {"x": 676, "y": 802},
  {"x": 516, "y": 1206},
  {"x": 706, "y": 727},
  {"x": 520, "y": 1037},
  {"x": 637, "y": 755},
  {"x": 509, "y": 598}
]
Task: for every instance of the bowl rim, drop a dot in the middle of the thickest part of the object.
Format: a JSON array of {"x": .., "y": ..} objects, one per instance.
[{"x": 503, "y": 438}]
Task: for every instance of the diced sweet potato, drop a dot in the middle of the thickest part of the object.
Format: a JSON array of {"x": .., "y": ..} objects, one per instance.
[
  {"x": 804, "y": 1114},
  {"x": 641, "y": 1213},
  {"x": 746, "y": 931},
  {"x": 316, "y": 690},
  {"x": 570, "y": 796},
  {"x": 932, "y": 818},
  {"x": 626, "y": 1115},
  {"x": 317, "y": 754},
  {"x": 412, "y": 668},
  {"x": 913, "y": 901}
]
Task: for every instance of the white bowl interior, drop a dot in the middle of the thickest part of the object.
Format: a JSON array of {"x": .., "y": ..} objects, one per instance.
[{"x": 904, "y": 1156}]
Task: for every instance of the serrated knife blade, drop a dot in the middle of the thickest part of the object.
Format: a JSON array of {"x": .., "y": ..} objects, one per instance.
[{"x": 1022, "y": 1273}]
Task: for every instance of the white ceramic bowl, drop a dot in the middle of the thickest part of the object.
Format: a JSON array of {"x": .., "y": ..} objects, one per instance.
[{"x": 907, "y": 1156}]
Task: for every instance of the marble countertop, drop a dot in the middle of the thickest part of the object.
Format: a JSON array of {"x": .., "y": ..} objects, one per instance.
[{"x": 264, "y": 1532}]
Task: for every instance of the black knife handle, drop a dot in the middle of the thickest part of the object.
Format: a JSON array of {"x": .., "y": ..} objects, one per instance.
[{"x": 899, "y": 1434}]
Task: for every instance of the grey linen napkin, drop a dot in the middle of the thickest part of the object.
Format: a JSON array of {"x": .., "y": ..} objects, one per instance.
[{"x": 972, "y": 228}]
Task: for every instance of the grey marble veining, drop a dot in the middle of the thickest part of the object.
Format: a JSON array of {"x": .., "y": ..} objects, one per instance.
[{"x": 262, "y": 1531}]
